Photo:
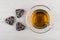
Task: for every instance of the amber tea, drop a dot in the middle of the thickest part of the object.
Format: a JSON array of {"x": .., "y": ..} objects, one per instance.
[{"x": 40, "y": 19}]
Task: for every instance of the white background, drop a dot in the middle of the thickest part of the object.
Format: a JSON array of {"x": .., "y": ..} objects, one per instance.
[{"x": 8, "y": 7}]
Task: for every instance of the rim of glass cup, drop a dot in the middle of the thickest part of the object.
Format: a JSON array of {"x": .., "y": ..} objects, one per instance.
[{"x": 29, "y": 13}]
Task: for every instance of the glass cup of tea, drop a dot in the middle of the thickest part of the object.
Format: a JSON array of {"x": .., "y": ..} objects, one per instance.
[{"x": 39, "y": 19}]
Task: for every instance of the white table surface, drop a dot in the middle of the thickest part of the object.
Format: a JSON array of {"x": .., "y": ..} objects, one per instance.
[{"x": 8, "y": 7}]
